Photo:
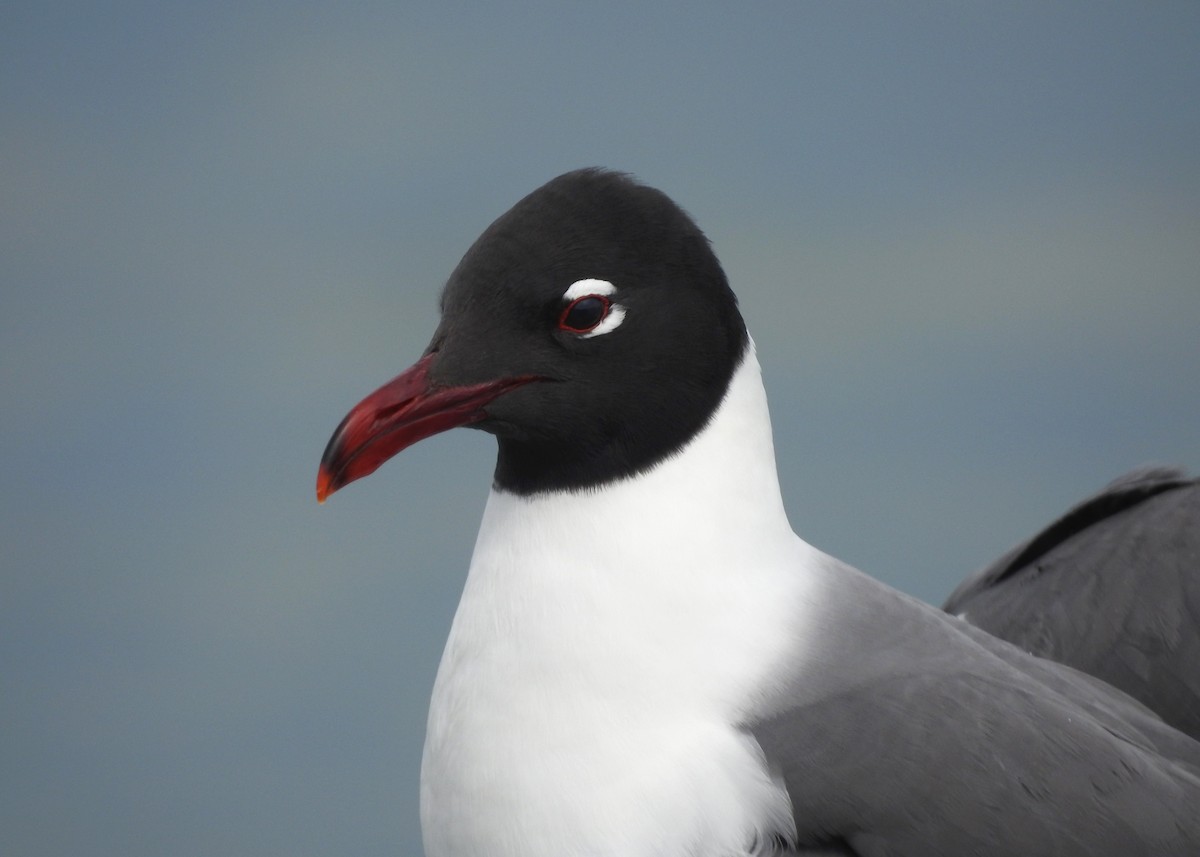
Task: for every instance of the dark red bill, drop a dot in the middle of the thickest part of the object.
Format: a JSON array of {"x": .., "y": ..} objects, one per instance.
[{"x": 397, "y": 415}]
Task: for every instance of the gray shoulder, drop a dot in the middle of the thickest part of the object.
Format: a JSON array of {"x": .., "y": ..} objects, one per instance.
[
  {"x": 968, "y": 763},
  {"x": 910, "y": 732},
  {"x": 1111, "y": 588}
]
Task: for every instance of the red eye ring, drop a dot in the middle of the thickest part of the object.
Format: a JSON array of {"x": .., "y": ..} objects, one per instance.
[{"x": 584, "y": 313}]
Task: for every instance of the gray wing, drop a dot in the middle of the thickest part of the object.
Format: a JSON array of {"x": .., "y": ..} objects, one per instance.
[
  {"x": 1112, "y": 588},
  {"x": 912, "y": 733}
]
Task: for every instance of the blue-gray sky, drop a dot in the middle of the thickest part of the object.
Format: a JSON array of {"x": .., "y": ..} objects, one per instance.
[{"x": 966, "y": 237}]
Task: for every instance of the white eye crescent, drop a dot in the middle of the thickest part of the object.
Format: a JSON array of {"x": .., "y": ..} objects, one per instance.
[{"x": 590, "y": 309}]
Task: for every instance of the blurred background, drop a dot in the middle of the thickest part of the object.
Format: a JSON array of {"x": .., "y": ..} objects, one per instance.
[{"x": 966, "y": 237}]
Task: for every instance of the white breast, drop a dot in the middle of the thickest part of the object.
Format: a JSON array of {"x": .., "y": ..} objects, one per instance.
[{"x": 606, "y": 645}]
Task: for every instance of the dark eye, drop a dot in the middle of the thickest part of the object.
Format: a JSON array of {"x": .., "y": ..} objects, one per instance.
[{"x": 583, "y": 314}]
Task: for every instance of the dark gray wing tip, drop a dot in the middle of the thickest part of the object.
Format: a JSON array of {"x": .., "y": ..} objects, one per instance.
[{"x": 1123, "y": 493}]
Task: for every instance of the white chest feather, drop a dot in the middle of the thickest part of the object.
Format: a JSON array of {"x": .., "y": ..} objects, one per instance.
[{"x": 605, "y": 648}]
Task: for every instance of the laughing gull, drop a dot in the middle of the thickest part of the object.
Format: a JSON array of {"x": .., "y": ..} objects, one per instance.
[{"x": 646, "y": 660}]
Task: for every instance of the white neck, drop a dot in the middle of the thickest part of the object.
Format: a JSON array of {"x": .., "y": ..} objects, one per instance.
[{"x": 605, "y": 647}]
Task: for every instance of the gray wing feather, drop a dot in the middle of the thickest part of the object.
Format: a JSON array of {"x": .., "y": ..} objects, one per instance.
[
  {"x": 910, "y": 732},
  {"x": 967, "y": 764},
  {"x": 1112, "y": 588}
]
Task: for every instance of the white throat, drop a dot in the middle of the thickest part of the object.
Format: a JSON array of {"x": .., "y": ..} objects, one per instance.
[{"x": 606, "y": 646}]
